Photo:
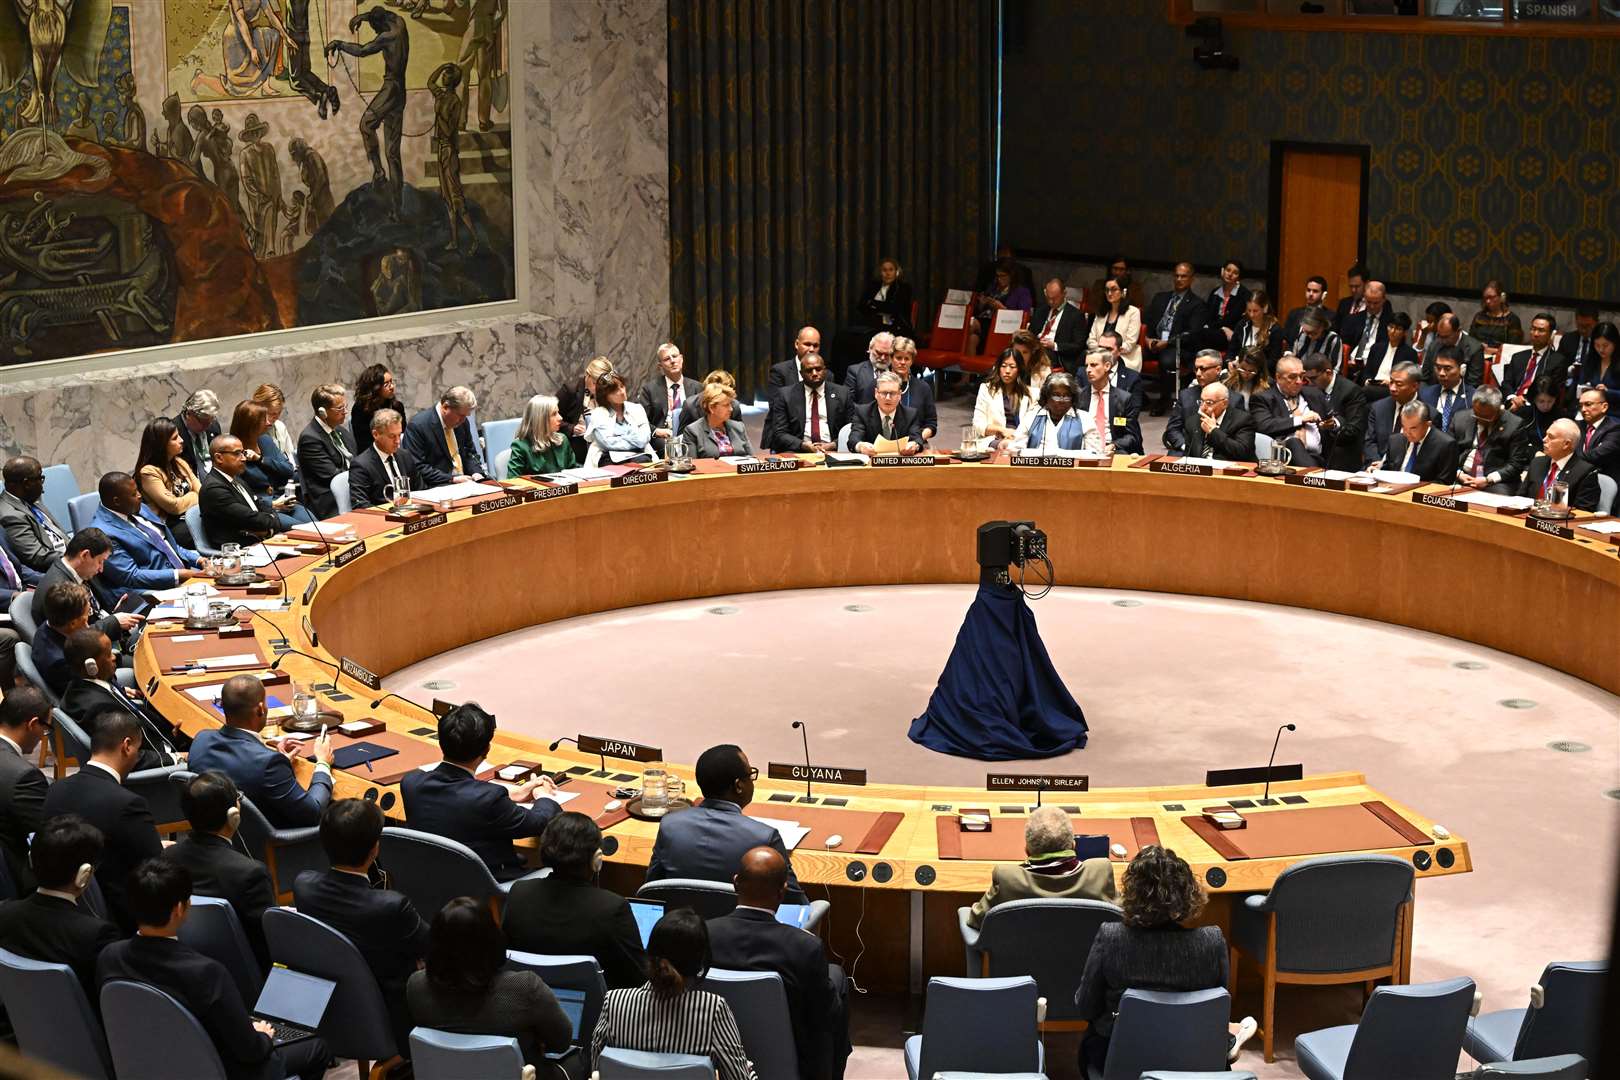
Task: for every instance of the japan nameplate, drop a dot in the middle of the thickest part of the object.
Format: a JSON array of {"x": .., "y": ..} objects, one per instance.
[
  {"x": 619, "y": 748},
  {"x": 820, "y": 774}
]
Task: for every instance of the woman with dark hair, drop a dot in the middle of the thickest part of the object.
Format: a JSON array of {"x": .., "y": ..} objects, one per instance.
[
  {"x": 1004, "y": 294},
  {"x": 466, "y": 988},
  {"x": 567, "y": 914},
  {"x": 668, "y": 1014},
  {"x": 1004, "y": 402},
  {"x": 884, "y": 304},
  {"x": 1602, "y": 366},
  {"x": 167, "y": 483},
  {"x": 267, "y": 472},
  {"x": 1425, "y": 326},
  {"x": 1033, "y": 357},
  {"x": 1544, "y": 408},
  {"x": 374, "y": 391},
  {"x": 1258, "y": 330},
  {"x": 1118, "y": 316},
  {"x": 1151, "y": 948},
  {"x": 617, "y": 429}
]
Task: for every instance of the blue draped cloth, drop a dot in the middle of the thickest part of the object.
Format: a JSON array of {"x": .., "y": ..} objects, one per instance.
[{"x": 999, "y": 697}]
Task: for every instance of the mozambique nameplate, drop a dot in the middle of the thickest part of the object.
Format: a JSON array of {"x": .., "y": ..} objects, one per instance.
[{"x": 359, "y": 674}]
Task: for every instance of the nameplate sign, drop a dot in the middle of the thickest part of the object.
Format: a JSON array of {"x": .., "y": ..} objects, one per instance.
[
  {"x": 1441, "y": 502},
  {"x": 431, "y": 521},
  {"x": 309, "y": 590},
  {"x": 1185, "y": 468},
  {"x": 501, "y": 502},
  {"x": 820, "y": 774},
  {"x": 540, "y": 494},
  {"x": 309, "y": 631},
  {"x": 640, "y": 476},
  {"x": 897, "y": 460},
  {"x": 349, "y": 556},
  {"x": 359, "y": 674},
  {"x": 1314, "y": 480},
  {"x": 1036, "y": 782},
  {"x": 775, "y": 464},
  {"x": 1045, "y": 461},
  {"x": 593, "y": 744},
  {"x": 1551, "y": 528}
]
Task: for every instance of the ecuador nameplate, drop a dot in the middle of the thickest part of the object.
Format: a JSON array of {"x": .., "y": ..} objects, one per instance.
[
  {"x": 820, "y": 774},
  {"x": 359, "y": 674},
  {"x": 1183, "y": 468},
  {"x": 1440, "y": 502},
  {"x": 1044, "y": 461},
  {"x": 349, "y": 556},
  {"x": 500, "y": 502},
  {"x": 430, "y": 521},
  {"x": 775, "y": 464},
  {"x": 1314, "y": 480},
  {"x": 1036, "y": 782},
  {"x": 1551, "y": 528},
  {"x": 895, "y": 460},
  {"x": 619, "y": 748},
  {"x": 639, "y": 477}
]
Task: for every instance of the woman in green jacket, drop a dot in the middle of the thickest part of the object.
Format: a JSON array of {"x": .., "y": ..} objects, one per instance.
[{"x": 540, "y": 446}]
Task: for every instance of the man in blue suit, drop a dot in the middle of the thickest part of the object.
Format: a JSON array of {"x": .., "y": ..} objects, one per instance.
[
  {"x": 145, "y": 555},
  {"x": 430, "y": 432},
  {"x": 708, "y": 841},
  {"x": 262, "y": 773},
  {"x": 1448, "y": 397},
  {"x": 451, "y": 801}
]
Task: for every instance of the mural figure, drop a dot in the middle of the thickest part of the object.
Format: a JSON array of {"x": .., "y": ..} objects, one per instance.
[
  {"x": 253, "y": 53},
  {"x": 312, "y": 174},
  {"x": 83, "y": 125},
  {"x": 447, "y": 148},
  {"x": 295, "y": 217},
  {"x": 197, "y": 118},
  {"x": 216, "y": 147},
  {"x": 396, "y": 290},
  {"x": 42, "y": 36},
  {"x": 480, "y": 55},
  {"x": 132, "y": 131},
  {"x": 387, "y": 108},
  {"x": 261, "y": 182},
  {"x": 304, "y": 80},
  {"x": 176, "y": 141}
]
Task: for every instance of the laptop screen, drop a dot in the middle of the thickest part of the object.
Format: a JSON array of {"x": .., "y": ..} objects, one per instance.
[
  {"x": 294, "y": 997},
  {"x": 573, "y": 1003},
  {"x": 647, "y": 913}
]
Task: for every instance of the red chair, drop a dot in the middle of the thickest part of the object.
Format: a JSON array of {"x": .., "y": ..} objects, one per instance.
[
  {"x": 994, "y": 343},
  {"x": 945, "y": 345}
]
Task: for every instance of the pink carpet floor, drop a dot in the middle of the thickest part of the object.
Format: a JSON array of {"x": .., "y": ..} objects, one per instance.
[{"x": 1170, "y": 685}]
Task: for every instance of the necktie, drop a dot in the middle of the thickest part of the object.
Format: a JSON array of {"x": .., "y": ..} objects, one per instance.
[
  {"x": 342, "y": 447},
  {"x": 1446, "y": 401},
  {"x": 1529, "y": 374},
  {"x": 815, "y": 416},
  {"x": 455, "y": 451},
  {"x": 45, "y": 521},
  {"x": 11, "y": 573},
  {"x": 674, "y": 400},
  {"x": 1552, "y": 478},
  {"x": 157, "y": 537},
  {"x": 1411, "y": 460},
  {"x": 1591, "y": 431},
  {"x": 204, "y": 462},
  {"x": 1101, "y": 416},
  {"x": 888, "y": 425},
  {"x": 1168, "y": 320},
  {"x": 392, "y": 470},
  {"x": 1479, "y": 453},
  {"x": 1051, "y": 323}
]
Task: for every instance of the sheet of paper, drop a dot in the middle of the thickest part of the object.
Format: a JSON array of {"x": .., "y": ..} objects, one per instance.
[
  {"x": 958, "y": 297},
  {"x": 1214, "y": 463},
  {"x": 791, "y": 831},
  {"x": 470, "y": 489},
  {"x": 577, "y": 476},
  {"x": 258, "y": 555},
  {"x": 336, "y": 535},
  {"x": 1606, "y": 528},
  {"x": 166, "y": 611},
  {"x": 228, "y": 661},
  {"x": 205, "y": 694},
  {"x": 561, "y": 798},
  {"x": 736, "y": 459},
  {"x": 182, "y": 638},
  {"x": 1392, "y": 476},
  {"x": 952, "y": 316},
  {"x": 881, "y": 445},
  {"x": 1499, "y": 370},
  {"x": 1340, "y": 474},
  {"x": 179, "y": 592},
  {"x": 1508, "y": 502},
  {"x": 1009, "y": 321}
]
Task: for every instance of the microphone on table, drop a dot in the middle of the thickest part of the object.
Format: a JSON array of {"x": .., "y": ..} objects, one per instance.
[
  {"x": 280, "y": 634},
  {"x": 804, "y": 736},
  {"x": 1266, "y": 800},
  {"x": 337, "y": 669},
  {"x": 326, "y": 544},
  {"x": 407, "y": 701},
  {"x": 558, "y": 742}
]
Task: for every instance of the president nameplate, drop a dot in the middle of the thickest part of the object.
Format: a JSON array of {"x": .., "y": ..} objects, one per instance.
[
  {"x": 359, "y": 674},
  {"x": 619, "y": 748},
  {"x": 349, "y": 556},
  {"x": 820, "y": 774},
  {"x": 1036, "y": 782},
  {"x": 556, "y": 491}
]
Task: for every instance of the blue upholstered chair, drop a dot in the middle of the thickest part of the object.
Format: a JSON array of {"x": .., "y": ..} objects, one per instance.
[
  {"x": 988, "y": 1025},
  {"x": 212, "y": 928},
  {"x": 51, "y": 1017},
  {"x": 1046, "y": 939},
  {"x": 1413, "y": 1032},
  {"x": 759, "y": 1002},
  {"x": 614, "y": 1063},
  {"x": 154, "y": 1037},
  {"x": 356, "y": 1023},
  {"x": 446, "y": 1055},
  {"x": 1157, "y": 1030},
  {"x": 1564, "y": 1017}
]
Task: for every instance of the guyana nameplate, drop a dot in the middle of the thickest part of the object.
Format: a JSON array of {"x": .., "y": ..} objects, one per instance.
[
  {"x": 1551, "y": 528},
  {"x": 821, "y": 774},
  {"x": 619, "y": 748},
  {"x": 349, "y": 556},
  {"x": 359, "y": 674},
  {"x": 1044, "y": 461},
  {"x": 1314, "y": 480},
  {"x": 1184, "y": 468},
  {"x": 1441, "y": 502},
  {"x": 556, "y": 491},
  {"x": 775, "y": 464},
  {"x": 1036, "y": 782},
  {"x": 501, "y": 502},
  {"x": 639, "y": 477},
  {"x": 429, "y": 521},
  {"x": 897, "y": 460}
]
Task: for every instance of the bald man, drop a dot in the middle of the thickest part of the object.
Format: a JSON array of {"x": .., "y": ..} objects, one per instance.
[
  {"x": 751, "y": 939},
  {"x": 1558, "y": 462},
  {"x": 1220, "y": 430},
  {"x": 805, "y": 342},
  {"x": 1367, "y": 334},
  {"x": 231, "y": 513}
]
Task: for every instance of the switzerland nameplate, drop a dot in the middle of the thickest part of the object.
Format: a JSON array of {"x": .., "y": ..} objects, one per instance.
[{"x": 777, "y": 464}]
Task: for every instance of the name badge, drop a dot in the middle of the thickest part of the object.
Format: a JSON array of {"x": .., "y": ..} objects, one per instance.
[
  {"x": 821, "y": 774},
  {"x": 1120, "y": 421}
]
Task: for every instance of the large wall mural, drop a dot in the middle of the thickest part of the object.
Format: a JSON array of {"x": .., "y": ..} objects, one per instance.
[{"x": 182, "y": 170}]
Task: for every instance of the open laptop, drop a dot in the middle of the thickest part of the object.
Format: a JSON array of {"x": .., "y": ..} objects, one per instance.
[
  {"x": 647, "y": 913},
  {"x": 293, "y": 1003},
  {"x": 573, "y": 1005}
]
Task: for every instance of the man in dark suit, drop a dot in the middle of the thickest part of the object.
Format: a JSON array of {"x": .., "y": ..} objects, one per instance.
[
  {"x": 49, "y": 925},
  {"x": 1112, "y": 409},
  {"x": 25, "y": 720},
  {"x": 1226, "y": 305},
  {"x": 787, "y": 373},
  {"x": 665, "y": 394},
  {"x": 451, "y": 801},
  {"x": 325, "y": 448},
  {"x": 1218, "y": 430},
  {"x": 567, "y": 914},
  {"x": 383, "y": 924},
  {"x": 1120, "y": 377},
  {"x": 1541, "y": 360},
  {"x": 1345, "y": 426},
  {"x": 708, "y": 841},
  {"x": 145, "y": 554},
  {"x": 1061, "y": 326},
  {"x": 1448, "y": 397},
  {"x": 915, "y": 393},
  {"x": 1577, "y": 344},
  {"x": 15, "y": 581},
  {"x": 1376, "y": 336},
  {"x": 430, "y": 433},
  {"x": 376, "y": 472},
  {"x": 1315, "y": 297},
  {"x": 1172, "y": 327},
  {"x": 198, "y": 423},
  {"x": 751, "y": 939},
  {"x": 160, "y": 896},
  {"x": 67, "y": 610},
  {"x": 1494, "y": 446},
  {"x": 1184, "y": 415},
  {"x": 1353, "y": 304},
  {"x": 36, "y": 539},
  {"x": 1600, "y": 433},
  {"x": 97, "y": 793},
  {"x": 87, "y": 552},
  {"x": 1293, "y": 413},
  {"x": 1448, "y": 332},
  {"x": 231, "y": 513},
  {"x": 261, "y": 773},
  {"x": 1559, "y": 463},
  {"x": 886, "y": 418},
  {"x": 1384, "y": 418},
  {"x": 94, "y": 691},
  {"x": 861, "y": 379},
  {"x": 218, "y": 868},
  {"x": 807, "y": 415},
  {"x": 1421, "y": 448}
]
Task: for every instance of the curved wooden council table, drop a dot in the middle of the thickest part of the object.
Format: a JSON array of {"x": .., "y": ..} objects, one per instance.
[{"x": 476, "y": 576}]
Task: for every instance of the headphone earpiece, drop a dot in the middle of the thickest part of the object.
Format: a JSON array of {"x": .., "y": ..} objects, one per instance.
[
  {"x": 597, "y": 860},
  {"x": 321, "y": 412},
  {"x": 81, "y": 880},
  {"x": 233, "y": 818},
  {"x": 90, "y": 668}
]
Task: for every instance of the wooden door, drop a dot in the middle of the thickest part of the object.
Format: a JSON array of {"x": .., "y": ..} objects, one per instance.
[{"x": 1319, "y": 218}]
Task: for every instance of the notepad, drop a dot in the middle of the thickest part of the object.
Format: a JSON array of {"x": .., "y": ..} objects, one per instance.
[
  {"x": 1502, "y": 502},
  {"x": 360, "y": 753},
  {"x": 233, "y": 660},
  {"x": 468, "y": 489}
]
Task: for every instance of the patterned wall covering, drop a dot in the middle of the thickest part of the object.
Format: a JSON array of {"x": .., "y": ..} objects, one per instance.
[{"x": 1491, "y": 157}]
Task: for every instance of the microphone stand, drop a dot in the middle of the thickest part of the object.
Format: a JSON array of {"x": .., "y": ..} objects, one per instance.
[
  {"x": 407, "y": 701},
  {"x": 337, "y": 669},
  {"x": 325, "y": 544},
  {"x": 805, "y": 738},
  {"x": 1266, "y": 799},
  {"x": 279, "y": 575},
  {"x": 600, "y": 756},
  {"x": 280, "y": 636}
]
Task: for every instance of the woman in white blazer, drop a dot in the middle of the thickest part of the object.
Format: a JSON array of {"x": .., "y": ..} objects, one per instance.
[
  {"x": 1118, "y": 316},
  {"x": 617, "y": 429},
  {"x": 1004, "y": 401}
]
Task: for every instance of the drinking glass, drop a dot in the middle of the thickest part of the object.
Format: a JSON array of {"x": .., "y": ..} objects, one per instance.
[
  {"x": 654, "y": 790},
  {"x": 304, "y": 704},
  {"x": 675, "y": 789}
]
